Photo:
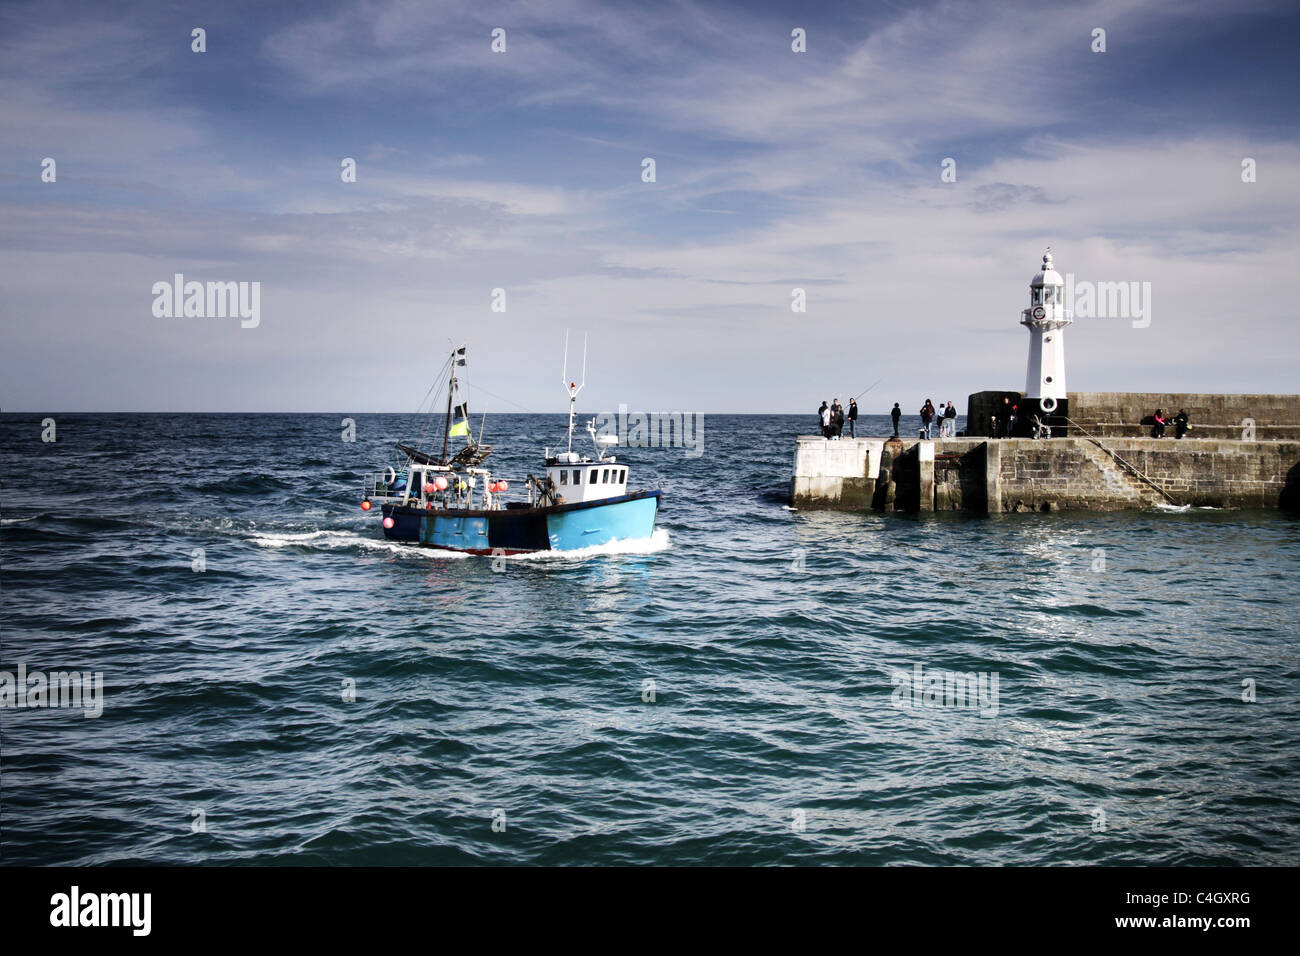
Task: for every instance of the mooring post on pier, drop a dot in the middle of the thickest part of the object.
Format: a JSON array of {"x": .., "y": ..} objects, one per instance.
[{"x": 993, "y": 477}]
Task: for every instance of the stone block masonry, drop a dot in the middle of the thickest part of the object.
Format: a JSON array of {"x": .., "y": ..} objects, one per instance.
[
  {"x": 1021, "y": 474},
  {"x": 1128, "y": 414},
  {"x": 839, "y": 473}
]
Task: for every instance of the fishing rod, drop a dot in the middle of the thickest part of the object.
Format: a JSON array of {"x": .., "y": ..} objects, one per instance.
[{"x": 867, "y": 389}]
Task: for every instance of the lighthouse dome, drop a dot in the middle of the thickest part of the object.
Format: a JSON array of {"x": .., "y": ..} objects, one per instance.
[{"x": 1046, "y": 275}]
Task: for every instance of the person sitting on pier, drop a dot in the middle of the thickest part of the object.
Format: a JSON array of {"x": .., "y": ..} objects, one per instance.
[
  {"x": 1181, "y": 427},
  {"x": 1158, "y": 429}
]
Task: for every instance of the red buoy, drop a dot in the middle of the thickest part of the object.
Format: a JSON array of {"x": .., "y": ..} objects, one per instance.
[
  {"x": 365, "y": 504},
  {"x": 429, "y": 488},
  {"x": 388, "y": 522}
]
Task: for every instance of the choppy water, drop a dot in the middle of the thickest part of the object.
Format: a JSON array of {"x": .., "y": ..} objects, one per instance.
[{"x": 1120, "y": 643}]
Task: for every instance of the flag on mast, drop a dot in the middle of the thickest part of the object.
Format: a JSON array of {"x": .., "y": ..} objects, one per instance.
[{"x": 461, "y": 427}]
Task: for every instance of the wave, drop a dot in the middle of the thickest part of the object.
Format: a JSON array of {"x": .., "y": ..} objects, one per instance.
[
  {"x": 79, "y": 521},
  {"x": 334, "y": 540},
  {"x": 245, "y": 483},
  {"x": 652, "y": 545}
]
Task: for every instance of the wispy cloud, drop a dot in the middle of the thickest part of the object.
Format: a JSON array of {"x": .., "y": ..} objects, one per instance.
[{"x": 523, "y": 171}]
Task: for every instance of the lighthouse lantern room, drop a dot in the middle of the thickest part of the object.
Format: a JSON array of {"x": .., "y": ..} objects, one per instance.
[{"x": 1046, "y": 319}]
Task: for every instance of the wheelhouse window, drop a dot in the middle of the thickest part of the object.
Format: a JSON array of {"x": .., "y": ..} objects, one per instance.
[
  {"x": 604, "y": 477},
  {"x": 564, "y": 477}
]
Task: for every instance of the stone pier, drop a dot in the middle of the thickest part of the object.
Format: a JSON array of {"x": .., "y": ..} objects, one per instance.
[
  {"x": 1129, "y": 414},
  {"x": 840, "y": 473},
  {"x": 1024, "y": 474}
]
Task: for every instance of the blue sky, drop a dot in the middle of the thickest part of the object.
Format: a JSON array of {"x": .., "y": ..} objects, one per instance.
[{"x": 522, "y": 171}]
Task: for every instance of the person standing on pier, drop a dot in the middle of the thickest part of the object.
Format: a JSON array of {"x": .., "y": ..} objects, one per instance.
[
  {"x": 853, "y": 418},
  {"x": 950, "y": 421},
  {"x": 824, "y": 417},
  {"x": 839, "y": 419},
  {"x": 927, "y": 416},
  {"x": 896, "y": 414},
  {"x": 1181, "y": 427},
  {"x": 1011, "y": 420}
]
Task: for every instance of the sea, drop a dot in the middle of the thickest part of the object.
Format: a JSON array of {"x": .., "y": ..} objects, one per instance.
[{"x": 754, "y": 685}]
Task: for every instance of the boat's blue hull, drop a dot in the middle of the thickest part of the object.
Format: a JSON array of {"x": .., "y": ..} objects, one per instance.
[{"x": 520, "y": 530}]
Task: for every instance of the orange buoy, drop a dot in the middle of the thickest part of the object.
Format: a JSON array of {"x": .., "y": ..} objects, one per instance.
[
  {"x": 365, "y": 504},
  {"x": 440, "y": 483},
  {"x": 503, "y": 485},
  {"x": 429, "y": 488}
]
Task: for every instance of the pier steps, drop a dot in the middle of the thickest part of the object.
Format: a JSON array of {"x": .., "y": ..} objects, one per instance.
[{"x": 1119, "y": 480}]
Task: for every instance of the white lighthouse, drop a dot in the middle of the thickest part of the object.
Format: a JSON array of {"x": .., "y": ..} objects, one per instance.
[{"x": 1046, "y": 319}]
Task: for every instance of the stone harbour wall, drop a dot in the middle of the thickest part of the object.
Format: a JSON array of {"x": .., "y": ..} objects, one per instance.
[
  {"x": 838, "y": 473},
  {"x": 1128, "y": 414},
  {"x": 1022, "y": 474}
]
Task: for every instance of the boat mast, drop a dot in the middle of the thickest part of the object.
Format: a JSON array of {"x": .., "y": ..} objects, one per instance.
[
  {"x": 572, "y": 388},
  {"x": 451, "y": 389}
]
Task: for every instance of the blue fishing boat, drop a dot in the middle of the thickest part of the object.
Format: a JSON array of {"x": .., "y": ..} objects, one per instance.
[{"x": 450, "y": 501}]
